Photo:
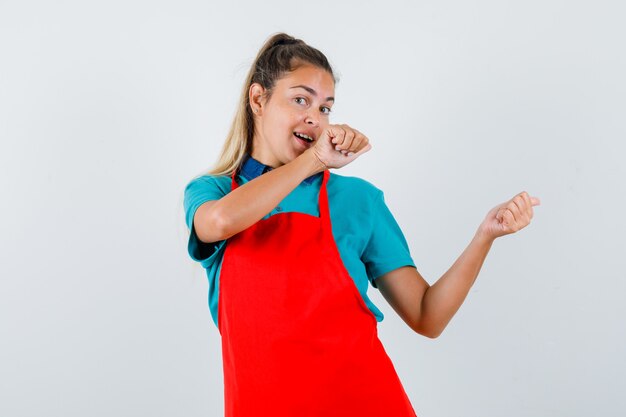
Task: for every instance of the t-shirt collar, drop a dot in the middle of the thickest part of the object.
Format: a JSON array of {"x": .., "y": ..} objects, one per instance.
[{"x": 251, "y": 168}]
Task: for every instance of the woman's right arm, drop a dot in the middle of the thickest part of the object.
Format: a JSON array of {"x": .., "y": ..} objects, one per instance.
[
  {"x": 220, "y": 219},
  {"x": 215, "y": 220}
]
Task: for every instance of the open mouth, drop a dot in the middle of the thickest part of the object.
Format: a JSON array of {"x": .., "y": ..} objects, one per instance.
[{"x": 303, "y": 138}]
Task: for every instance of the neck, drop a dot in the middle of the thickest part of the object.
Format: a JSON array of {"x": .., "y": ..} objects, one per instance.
[{"x": 263, "y": 155}]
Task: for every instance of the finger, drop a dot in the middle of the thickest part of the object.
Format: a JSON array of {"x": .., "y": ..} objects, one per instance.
[
  {"x": 357, "y": 135},
  {"x": 508, "y": 219},
  {"x": 521, "y": 214},
  {"x": 363, "y": 141},
  {"x": 336, "y": 130},
  {"x": 347, "y": 141},
  {"x": 328, "y": 131},
  {"x": 512, "y": 206},
  {"x": 339, "y": 138},
  {"x": 356, "y": 143},
  {"x": 528, "y": 203},
  {"x": 518, "y": 200},
  {"x": 500, "y": 213},
  {"x": 535, "y": 201}
]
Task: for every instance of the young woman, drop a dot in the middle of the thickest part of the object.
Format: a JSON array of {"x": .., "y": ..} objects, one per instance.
[{"x": 290, "y": 248}]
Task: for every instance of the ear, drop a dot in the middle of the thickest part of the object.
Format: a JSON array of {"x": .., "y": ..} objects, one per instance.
[{"x": 256, "y": 96}]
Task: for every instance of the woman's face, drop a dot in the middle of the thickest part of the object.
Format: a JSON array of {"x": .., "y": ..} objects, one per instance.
[{"x": 300, "y": 103}]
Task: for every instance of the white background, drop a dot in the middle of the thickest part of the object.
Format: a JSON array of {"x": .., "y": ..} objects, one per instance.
[{"x": 108, "y": 109}]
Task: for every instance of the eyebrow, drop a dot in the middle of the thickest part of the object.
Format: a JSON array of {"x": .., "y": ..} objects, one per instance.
[{"x": 311, "y": 91}]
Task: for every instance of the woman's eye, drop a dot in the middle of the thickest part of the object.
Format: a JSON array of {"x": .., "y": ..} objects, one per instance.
[
  {"x": 326, "y": 110},
  {"x": 300, "y": 100}
]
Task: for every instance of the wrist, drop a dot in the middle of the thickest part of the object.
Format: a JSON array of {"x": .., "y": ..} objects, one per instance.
[
  {"x": 312, "y": 162},
  {"x": 483, "y": 237}
]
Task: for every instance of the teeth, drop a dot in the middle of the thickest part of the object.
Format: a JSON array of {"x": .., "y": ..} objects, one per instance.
[{"x": 303, "y": 136}]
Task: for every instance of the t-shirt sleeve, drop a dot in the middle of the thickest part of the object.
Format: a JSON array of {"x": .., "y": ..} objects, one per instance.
[
  {"x": 386, "y": 248},
  {"x": 199, "y": 191}
]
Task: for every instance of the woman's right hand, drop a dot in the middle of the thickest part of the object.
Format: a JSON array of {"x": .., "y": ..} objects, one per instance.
[{"x": 338, "y": 145}]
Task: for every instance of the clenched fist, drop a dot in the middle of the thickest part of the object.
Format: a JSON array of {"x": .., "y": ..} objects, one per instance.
[
  {"x": 338, "y": 145},
  {"x": 509, "y": 217}
]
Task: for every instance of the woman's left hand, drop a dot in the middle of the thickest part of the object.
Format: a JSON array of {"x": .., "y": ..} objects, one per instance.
[{"x": 509, "y": 217}]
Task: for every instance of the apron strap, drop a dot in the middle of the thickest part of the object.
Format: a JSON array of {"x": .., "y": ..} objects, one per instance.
[
  {"x": 323, "y": 199},
  {"x": 233, "y": 184}
]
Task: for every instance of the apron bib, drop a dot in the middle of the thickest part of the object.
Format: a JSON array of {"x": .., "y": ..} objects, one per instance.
[{"x": 297, "y": 337}]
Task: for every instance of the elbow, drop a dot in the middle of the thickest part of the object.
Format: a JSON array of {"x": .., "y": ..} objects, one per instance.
[
  {"x": 431, "y": 332},
  {"x": 211, "y": 226},
  {"x": 427, "y": 324}
]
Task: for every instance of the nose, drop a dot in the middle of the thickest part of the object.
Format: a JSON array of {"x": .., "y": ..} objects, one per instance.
[{"x": 312, "y": 117}]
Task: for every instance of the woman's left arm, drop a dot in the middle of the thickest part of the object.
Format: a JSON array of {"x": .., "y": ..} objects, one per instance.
[{"x": 428, "y": 309}]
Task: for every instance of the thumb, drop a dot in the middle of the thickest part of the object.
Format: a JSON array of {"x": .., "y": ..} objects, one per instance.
[
  {"x": 535, "y": 201},
  {"x": 332, "y": 131}
]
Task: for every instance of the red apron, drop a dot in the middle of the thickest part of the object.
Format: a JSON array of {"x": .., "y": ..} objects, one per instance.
[{"x": 297, "y": 337}]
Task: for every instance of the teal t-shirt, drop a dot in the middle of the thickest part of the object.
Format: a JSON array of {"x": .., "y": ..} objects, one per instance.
[{"x": 368, "y": 237}]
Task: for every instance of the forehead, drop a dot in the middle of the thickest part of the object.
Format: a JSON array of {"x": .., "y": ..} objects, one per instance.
[{"x": 317, "y": 78}]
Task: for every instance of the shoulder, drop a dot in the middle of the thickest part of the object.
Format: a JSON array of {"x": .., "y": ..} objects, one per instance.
[
  {"x": 215, "y": 183},
  {"x": 204, "y": 188},
  {"x": 348, "y": 187}
]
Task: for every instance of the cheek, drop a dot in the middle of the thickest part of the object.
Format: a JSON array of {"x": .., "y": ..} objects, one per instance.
[
  {"x": 275, "y": 123},
  {"x": 284, "y": 119},
  {"x": 280, "y": 128}
]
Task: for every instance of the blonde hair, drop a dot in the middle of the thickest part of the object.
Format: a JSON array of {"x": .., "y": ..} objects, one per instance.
[{"x": 280, "y": 54}]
